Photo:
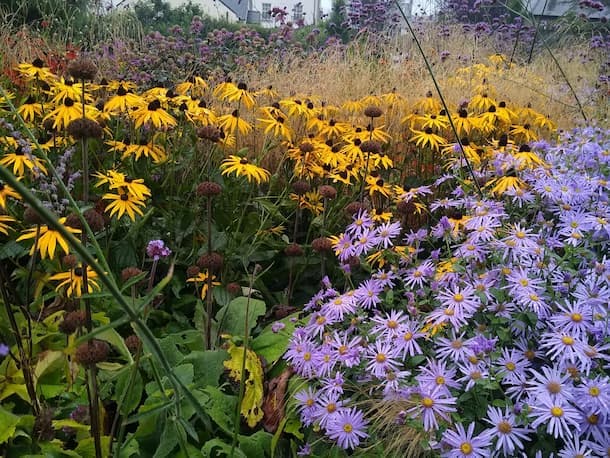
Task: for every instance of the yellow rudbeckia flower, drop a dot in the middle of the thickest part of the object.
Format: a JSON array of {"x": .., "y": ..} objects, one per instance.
[
  {"x": 48, "y": 239},
  {"x": 240, "y": 166},
  {"x": 72, "y": 280}
]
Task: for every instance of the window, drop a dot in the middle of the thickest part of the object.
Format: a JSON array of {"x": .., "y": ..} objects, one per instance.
[
  {"x": 297, "y": 12},
  {"x": 266, "y": 16}
]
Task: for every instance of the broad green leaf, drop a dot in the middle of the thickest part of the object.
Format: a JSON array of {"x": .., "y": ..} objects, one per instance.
[
  {"x": 252, "y": 403},
  {"x": 168, "y": 440},
  {"x": 59, "y": 424},
  {"x": 129, "y": 393},
  {"x": 53, "y": 449},
  {"x": 86, "y": 447},
  {"x": 208, "y": 366},
  {"x": 9, "y": 423},
  {"x": 272, "y": 345},
  {"x": 258, "y": 444},
  {"x": 18, "y": 389},
  {"x": 217, "y": 448},
  {"x": 129, "y": 448},
  {"x": 221, "y": 408},
  {"x": 232, "y": 317}
]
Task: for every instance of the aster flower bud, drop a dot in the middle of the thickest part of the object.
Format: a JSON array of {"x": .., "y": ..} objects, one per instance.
[
  {"x": 208, "y": 189},
  {"x": 321, "y": 245},
  {"x": 129, "y": 272},
  {"x": 133, "y": 343},
  {"x": 300, "y": 187},
  {"x": 372, "y": 111},
  {"x": 73, "y": 321},
  {"x": 211, "y": 133},
  {"x": 211, "y": 261},
  {"x": 85, "y": 128},
  {"x": 370, "y": 146},
  {"x": 82, "y": 69},
  {"x": 31, "y": 216},
  {"x": 192, "y": 271},
  {"x": 327, "y": 191},
  {"x": 306, "y": 147},
  {"x": 92, "y": 352},
  {"x": 293, "y": 250},
  {"x": 69, "y": 261},
  {"x": 234, "y": 289}
]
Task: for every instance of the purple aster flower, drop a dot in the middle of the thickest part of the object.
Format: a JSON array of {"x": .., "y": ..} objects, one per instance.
[
  {"x": 511, "y": 365},
  {"x": 574, "y": 448},
  {"x": 305, "y": 450},
  {"x": 156, "y": 249},
  {"x": 406, "y": 342},
  {"x": 386, "y": 232},
  {"x": 306, "y": 404},
  {"x": 465, "y": 444},
  {"x": 327, "y": 406},
  {"x": 472, "y": 374},
  {"x": 4, "y": 349},
  {"x": 455, "y": 348},
  {"x": 560, "y": 418},
  {"x": 380, "y": 358},
  {"x": 388, "y": 324},
  {"x": 481, "y": 344},
  {"x": 437, "y": 374},
  {"x": 361, "y": 223},
  {"x": 339, "y": 306},
  {"x": 505, "y": 432},
  {"x": 347, "y": 428},
  {"x": 432, "y": 403},
  {"x": 367, "y": 293},
  {"x": 551, "y": 381}
]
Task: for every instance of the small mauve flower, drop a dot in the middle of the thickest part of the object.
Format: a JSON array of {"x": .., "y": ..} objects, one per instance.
[
  {"x": 4, "y": 349},
  {"x": 277, "y": 326},
  {"x": 156, "y": 249}
]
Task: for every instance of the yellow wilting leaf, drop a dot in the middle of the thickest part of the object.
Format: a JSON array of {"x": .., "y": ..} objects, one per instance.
[{"x": 251, "y": 405}]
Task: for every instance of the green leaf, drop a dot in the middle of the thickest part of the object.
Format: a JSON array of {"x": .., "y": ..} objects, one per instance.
[
  {"x": 9, "y": 423},
  {"x": 11, "y": 249},
  {"x": 132, "y": 392},
  {"x": 208, "y": 366},
  {"x": 59, "y": 424},
  {"x": 258, "y": 444},
  {"x": 129, "y": 448},
  {"x": 168, "y": 440},
  {"x": 232, "y": 317},
  {"x": 272, "y": 345},
  {"x": 221, "y": 408},
  {"x": 86, "y": 447},
  {"x": 217, "y": 448}
]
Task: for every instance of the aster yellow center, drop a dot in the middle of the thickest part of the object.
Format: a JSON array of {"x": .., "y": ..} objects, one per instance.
[
  {"x": 457, "y": 344},
  {"x": 524, "y": 282},
  {"x": 520, "y": 234},
  {"x": 347, "y": 428},
  {"x": 321, "y": 320},
  {"x": 380, "y": 358},
  {"x": 557, "y": 411},
  {"x": 594, "y": 391},
  {"x": 567, "y": 340},
  {"x": 576, "y": 317},
  {"x": 473, "y": 359},
  {"x": 510, "y": 366},
  {"x": 476, "y": 375},
  {"x": 553, "y": 387},
  {"x": 458, "y": 297},
  {"x": 440, "y": 380},
  {"x": 449, "y": 312},
  {"x": 342, "y": 349},
  {"x": 466, "y": 448},
  {"x": 427, "y": 402},
  {"x": 309, "y": 402},
  {"x": 307, "y": 356},
  {"x": 504, "y": 427},
  {"x": 330, "y": 408},
  {"x": 408, "y": 336},
  {"x": 392, "y": 324}
]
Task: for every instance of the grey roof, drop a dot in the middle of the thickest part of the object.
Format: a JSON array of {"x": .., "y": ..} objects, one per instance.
[
  {"x": 556, "y": 8},
  {"x": 239, "y": 7}
]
